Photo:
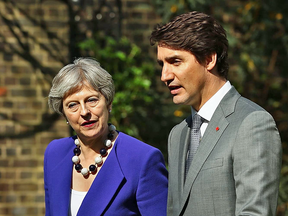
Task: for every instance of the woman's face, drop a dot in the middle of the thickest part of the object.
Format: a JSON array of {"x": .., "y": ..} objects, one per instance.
[{"x": 87, "y": 112}]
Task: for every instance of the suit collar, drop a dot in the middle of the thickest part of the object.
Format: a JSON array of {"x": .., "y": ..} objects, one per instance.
[
  {"x": 215, "y": 128},
  {"x": 101, "y": 192},
  {"x": 60, "y": 186},
  {"x": 105, "y": 186}
]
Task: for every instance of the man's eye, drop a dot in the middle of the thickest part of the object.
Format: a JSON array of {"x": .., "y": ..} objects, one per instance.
[
  {"x": 177, "y": 62},
  {"x": 160, "y": 63}
]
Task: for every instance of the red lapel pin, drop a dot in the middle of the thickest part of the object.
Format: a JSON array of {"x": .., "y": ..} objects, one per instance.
[{"x": 217, "y": 128}]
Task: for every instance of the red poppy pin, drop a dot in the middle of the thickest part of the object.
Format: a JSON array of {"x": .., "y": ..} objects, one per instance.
[{"x": 217, "y": 128}]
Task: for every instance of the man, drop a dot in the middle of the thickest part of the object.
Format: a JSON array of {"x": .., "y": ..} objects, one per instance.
[{"x": 236, "y": 168}]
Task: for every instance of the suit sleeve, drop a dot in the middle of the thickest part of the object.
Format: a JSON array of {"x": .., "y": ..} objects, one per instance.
[
  {"x": 151, "y": 194},
  {"x": 170, "y": 204},
  {"x": 47, "y": 202},
  {"x": 256, "y": 165}
]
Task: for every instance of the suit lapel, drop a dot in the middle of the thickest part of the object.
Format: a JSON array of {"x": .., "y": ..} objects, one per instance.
[
  {"x": 108, "y": 181},
  {"x": 185, "y": 138},
  {"x": 215, "y": 128},
  {"x": 61, "y": 177}
]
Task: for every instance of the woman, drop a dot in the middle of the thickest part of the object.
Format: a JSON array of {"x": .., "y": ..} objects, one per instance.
[{"x": 100, "y": 171}]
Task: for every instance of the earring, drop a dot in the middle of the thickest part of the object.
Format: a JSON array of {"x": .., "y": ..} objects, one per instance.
[
  {"x": 109, "y": 110},
  {"x": 67, "y": 123}
]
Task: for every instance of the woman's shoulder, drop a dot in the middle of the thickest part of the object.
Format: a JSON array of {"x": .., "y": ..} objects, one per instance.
[
  {"x": 60, "y": 145},
  {"x": 134, "y": 148},
  {"x": 129, "y": 142}
]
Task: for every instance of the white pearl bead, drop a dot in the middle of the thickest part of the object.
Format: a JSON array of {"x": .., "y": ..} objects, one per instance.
[
  {"x": 98, "y": 160},
  {"x": 84, "y": 171},
  {"x": 108, "y": 143},
  {"x": 112, "y": 128},
  {"x": 76, "y": 141},
  {"x": 75, "y": 159}
]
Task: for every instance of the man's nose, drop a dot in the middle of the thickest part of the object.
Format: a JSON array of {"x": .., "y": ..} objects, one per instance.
[{"x": 166, "y": 74}]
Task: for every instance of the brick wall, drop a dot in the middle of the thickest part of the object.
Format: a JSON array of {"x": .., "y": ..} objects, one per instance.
[{"x": 34, "y": 45}]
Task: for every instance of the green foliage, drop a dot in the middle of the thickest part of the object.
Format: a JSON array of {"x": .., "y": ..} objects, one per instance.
[
  {"x": 132, "y": 78},
  {"x": 258, "y": 54},
  {"x": 138, "y": 108}
]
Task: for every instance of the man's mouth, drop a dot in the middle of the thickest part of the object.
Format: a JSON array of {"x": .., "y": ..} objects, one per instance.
[{"x": 174, "y": 89}]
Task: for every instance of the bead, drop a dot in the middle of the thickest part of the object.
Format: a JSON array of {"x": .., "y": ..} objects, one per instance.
[
  {"x": 77, "y": 151},
  {"x": 112, "y": 127},
  {"x": 76, "y": 141},
  {"x": 103, "y": 151},
  {"x": 98, "y": 160},
  {"x": 108, "y": 143},
  {"x": 84, "y": 171},
  {"x": 75, "y": 159},
  {"x": 92, "y": 168},
  {"x": 110, "y": 136},
  {"x": 78, "y": 167}
]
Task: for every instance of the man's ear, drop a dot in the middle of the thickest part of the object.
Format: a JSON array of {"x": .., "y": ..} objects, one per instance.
[{"x": 211, "y": 61}]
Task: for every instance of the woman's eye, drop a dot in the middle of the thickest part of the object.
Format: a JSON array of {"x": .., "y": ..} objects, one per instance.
[
  {"x": 92, "y": 101},
  {"x": 72, "y": 105}
]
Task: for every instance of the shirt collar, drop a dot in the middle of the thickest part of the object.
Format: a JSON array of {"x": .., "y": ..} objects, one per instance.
[{"x": 208, "y": 109}]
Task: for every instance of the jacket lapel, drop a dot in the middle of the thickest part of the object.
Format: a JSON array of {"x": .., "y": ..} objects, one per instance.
[
  {"x": 61, "y": 177},
  {"x": 215, "y": 128},
  {"x": 185, "y": 138},
  {"x": 108, "y": 181}
]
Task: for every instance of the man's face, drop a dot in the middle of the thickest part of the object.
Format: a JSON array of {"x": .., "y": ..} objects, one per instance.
[{"x": 184, "y": 76}]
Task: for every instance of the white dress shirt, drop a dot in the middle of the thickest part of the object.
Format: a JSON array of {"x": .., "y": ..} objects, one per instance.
[{"x": 208, "y": 109}]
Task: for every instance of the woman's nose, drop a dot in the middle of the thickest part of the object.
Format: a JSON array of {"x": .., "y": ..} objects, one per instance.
[{"x": 84, "y": 110}]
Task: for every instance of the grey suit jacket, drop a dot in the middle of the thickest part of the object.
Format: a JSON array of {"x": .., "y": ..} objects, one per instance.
[{"x": 236, "y": 168}]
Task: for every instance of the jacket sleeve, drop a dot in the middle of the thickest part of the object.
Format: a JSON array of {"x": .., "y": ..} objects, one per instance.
[
  {"x": 170, "y": 204},
  {"x": 151, "y": 193},
  {"x": 256, "y": 165},
  {"x": 47, "y": 202}
]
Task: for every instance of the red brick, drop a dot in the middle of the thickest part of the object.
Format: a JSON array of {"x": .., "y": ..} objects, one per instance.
[
  {"x": 25, "y": 163},
  {"x": 25, "y": 187},
  {"x": 4, "y": 187}
]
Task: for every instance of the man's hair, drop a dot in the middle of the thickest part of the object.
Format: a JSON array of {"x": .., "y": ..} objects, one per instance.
[{"x": 198, "y": 33}]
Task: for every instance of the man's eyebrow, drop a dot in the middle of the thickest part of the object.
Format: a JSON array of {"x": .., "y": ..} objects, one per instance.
[{"x": 169, "y": 59}]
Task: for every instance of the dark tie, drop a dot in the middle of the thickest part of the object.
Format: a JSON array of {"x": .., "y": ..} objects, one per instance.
[{"x": 195, "y": 140}]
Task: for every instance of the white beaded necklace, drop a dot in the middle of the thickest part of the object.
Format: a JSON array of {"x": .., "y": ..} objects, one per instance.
[{"x": 98, "y": 159}]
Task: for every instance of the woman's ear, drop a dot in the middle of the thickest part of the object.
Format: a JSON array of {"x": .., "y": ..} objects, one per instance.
[
  {"x": 211, "y": 61},
  {"x": 109, "y": 107}
]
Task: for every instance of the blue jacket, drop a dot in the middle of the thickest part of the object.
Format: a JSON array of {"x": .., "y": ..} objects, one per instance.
[{"x": 132, "y": 181}]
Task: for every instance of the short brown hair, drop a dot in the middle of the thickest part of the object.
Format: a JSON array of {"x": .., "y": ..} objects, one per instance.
[{"x": 197, "y": 33}]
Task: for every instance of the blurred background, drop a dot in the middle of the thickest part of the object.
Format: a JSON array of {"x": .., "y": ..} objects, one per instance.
[{"x": 38, "y": 37}]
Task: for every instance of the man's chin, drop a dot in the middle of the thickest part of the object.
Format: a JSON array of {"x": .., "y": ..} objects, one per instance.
[{"x": 177, "y": 100}]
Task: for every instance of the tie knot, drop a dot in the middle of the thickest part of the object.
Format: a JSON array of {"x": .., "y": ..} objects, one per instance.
[{"x": 197, "y": 121}]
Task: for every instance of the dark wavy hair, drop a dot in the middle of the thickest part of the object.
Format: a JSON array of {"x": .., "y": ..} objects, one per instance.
[{"x": 197, "y": 33}]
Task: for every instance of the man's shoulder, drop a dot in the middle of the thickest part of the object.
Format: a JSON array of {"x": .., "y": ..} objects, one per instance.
[{"x": 183, "y": 125}]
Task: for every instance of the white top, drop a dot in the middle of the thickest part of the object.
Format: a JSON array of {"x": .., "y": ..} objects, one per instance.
[
  {"x": 208, "y": 109},
  {"x": 76, "y": 200}
]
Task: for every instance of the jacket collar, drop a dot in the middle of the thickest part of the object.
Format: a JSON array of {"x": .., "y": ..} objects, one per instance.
[
  {"x": 209, "y": 140},
  {"x": 102, "y": 186},
  {"x": 108, "y": 181}
]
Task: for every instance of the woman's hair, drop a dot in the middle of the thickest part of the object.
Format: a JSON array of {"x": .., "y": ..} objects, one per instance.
[
  {"x": 198, "y": 33},
  {"x": 72, "y": 77}
]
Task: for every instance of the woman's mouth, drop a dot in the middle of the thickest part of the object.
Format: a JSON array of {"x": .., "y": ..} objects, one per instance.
[{"x": 88, "y": 123}]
